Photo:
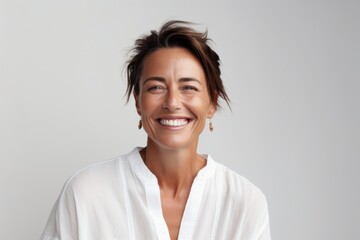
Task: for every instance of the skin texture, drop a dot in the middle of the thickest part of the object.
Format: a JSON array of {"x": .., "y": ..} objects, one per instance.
[{"x": 173, "y": 87}]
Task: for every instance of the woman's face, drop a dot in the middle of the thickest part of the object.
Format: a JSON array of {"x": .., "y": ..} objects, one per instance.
[{"x": 173, "y": 101}]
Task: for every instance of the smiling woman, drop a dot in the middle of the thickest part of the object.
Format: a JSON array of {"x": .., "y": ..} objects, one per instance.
[{"x": 165, "y": 190}]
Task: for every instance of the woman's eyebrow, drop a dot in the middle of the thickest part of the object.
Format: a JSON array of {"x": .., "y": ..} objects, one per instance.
[
  {"x": 189, "y": 79},
  {"x": 160, "y": 79}
]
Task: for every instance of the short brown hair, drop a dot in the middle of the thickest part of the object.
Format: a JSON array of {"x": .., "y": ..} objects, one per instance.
[{"x": 177, "y": 34}]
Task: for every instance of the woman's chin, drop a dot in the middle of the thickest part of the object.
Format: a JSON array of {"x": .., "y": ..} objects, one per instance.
[{"x": 174, "y": 143}]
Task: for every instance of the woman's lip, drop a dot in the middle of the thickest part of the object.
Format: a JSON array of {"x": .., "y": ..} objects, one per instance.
[{"x": 174, "y": 118}]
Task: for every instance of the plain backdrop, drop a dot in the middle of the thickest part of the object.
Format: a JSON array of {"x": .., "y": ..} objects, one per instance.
[{"x": 291, "y": 69}]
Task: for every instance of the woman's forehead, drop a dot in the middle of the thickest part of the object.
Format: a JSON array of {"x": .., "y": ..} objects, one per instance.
[{"x": 174, "y": 62}]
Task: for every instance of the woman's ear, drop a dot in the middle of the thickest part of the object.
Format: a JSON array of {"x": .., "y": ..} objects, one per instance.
[
  {"x": 213, "y": 106},
  {"x": 212, "y": 110},
  {"x": 136, "y": 98}
]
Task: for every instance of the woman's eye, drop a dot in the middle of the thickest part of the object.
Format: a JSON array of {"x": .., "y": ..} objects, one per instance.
[
  {"x": 190, "y": 88},
  {"x": 154, "y": 88}
]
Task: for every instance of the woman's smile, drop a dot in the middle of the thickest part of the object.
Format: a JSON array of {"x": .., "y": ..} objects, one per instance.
[{"x": 178, "y": 122}]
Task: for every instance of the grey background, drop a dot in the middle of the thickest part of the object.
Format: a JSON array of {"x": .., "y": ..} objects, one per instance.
[{"x": 291, "y": 69}]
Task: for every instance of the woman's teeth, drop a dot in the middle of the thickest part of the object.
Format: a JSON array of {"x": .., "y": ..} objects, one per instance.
[{"x": 174, "y": 123}]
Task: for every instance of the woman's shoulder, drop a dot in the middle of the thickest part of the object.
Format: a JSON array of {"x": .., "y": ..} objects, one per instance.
[
  {"x": 240, "y": 202},
  {"x": 234, "y": 185},
  {"x": 100, "y": 173}
]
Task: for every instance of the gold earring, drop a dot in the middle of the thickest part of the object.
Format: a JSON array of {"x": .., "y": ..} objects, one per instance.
[
  {"x": 140, "y": 124},
  {"x": 211, "y": 127}
]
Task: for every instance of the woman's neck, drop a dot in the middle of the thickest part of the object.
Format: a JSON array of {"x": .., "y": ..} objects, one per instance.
[{"x": 174, "y": 169}]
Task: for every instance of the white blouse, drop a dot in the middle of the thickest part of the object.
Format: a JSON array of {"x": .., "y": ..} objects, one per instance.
[{"x": 120, "y": 199}]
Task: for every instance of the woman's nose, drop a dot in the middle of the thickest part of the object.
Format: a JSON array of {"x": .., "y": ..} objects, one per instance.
[{"x": 172, "y": 101}]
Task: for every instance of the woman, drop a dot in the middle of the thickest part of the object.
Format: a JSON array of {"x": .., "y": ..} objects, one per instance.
[{"x": 165, "y": 190}]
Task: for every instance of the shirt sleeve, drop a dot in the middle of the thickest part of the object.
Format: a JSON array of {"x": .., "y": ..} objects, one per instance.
[
  {"x": 264, "y": 224},
  {"x": 62, "y": 222},
  {"x": 257, "y": 224}
]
